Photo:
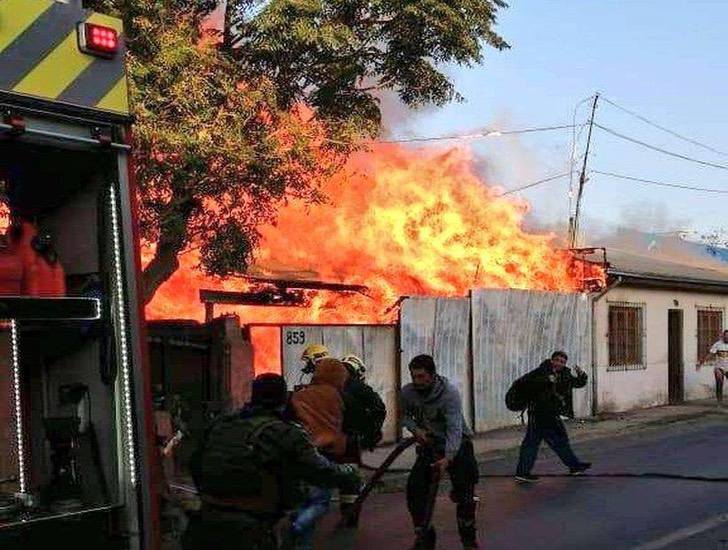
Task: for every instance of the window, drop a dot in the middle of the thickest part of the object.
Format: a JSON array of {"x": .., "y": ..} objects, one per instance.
[
  {"x": 710, "y": 326},
  {"x": 625, "y": 337}
]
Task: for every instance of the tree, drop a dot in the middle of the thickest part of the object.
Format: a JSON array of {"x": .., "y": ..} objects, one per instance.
[
  {"x": 336, "y": 54},
  {"x": 230, "y": 126}
]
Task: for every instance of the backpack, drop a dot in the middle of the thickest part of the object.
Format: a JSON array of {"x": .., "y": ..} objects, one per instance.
[
  {"x": 232, "y": 463},
  {"x": 519, "y": 395},
  {"x": 364, "y": 413}
]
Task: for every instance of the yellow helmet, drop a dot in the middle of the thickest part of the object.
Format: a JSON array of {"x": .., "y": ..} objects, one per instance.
[
  {"x": 314, "y": 352},
  {"x": 311, "y": 354}
]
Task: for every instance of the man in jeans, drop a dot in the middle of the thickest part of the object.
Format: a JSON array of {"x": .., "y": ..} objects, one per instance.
[
  {"x": 550, "y": 387},
  {"x": 433, "y": 413}
]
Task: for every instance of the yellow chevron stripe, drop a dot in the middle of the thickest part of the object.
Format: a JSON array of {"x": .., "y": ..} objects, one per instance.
[
  {"x": 63, "y": 65},
  {"x": 16, "y": 16},
  {"x": 117, "y": 99}
]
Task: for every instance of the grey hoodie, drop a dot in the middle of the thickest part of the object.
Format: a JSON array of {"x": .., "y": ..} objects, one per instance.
[{"x": 439, "y": 412}]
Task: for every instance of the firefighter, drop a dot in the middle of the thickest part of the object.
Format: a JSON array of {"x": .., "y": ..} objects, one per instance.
[
  {"x": 364, "y": 415},
  {"x": 311, "y": 355},
  {"x": 433, "y": 413},
  {"x": 248, "y": 472}
]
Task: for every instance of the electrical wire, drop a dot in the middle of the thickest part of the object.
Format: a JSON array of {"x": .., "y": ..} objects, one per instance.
[
  {"x": 480, "y": 135},
  {"x": 575, "y": 136},
  {"x": 660, "y": 183},
  {"x": 659, "y": 149},
  {"x": 534, "y": 184},
  {"x": 660, "y": 127}
]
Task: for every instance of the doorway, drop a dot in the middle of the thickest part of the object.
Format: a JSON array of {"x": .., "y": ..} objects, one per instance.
[{"x": 675, "y": 355}]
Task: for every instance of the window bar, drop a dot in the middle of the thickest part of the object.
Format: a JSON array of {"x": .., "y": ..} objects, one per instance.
[{"x": 123, "y": 342}]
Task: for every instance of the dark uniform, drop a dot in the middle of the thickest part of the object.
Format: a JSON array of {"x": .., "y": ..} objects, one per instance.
[{"x": 248, "y": 472}]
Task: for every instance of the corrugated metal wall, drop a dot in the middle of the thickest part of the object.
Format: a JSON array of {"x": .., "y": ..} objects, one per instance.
[
  {"x": 514, "y": 331},
  {"x": 439, "y": 327},
  {"x": 375, "y": 345}
]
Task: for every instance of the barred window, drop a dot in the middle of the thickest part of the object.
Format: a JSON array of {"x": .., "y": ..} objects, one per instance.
[
  {"x": 710, "y": 326},
  {"x": 625, "y": 337}
]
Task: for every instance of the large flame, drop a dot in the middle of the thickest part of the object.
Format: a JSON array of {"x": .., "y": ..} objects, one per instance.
[{"x": 401, "y": 222}]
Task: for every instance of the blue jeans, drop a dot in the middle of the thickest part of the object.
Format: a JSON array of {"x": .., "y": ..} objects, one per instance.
[
  {"x": 545, "y": 428},
  {"x": 307, "y": 516}
]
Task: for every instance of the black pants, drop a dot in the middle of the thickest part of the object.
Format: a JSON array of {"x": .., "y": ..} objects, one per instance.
[
  {"x": 227, "y": 530},
  {"x": 464, "y": 476},
  {"x": 545, "y": 428}
]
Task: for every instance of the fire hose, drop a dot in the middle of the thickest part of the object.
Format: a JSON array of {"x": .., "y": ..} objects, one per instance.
[
  {"x": 603, "y": 475},
  {"x": 352, "y": 515}
]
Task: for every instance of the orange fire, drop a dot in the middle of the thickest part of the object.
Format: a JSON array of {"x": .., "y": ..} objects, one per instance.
[{"x": 401, "y": 222}]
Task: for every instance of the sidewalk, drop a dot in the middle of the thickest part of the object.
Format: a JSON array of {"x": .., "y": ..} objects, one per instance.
[{"x": 505, "y": 442}]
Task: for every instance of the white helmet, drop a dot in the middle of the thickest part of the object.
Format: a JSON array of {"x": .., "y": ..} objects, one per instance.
[{"x": 355, "y": 364}]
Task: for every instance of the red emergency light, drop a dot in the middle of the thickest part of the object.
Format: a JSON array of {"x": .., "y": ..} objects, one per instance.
[{"x": 97, "y": 39}]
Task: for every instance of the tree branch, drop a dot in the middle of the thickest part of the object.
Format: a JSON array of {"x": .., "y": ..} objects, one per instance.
[{"x": 172, "y": 241}]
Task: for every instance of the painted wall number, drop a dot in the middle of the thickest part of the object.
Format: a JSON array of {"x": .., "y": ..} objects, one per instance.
[{"x": 296, "y": 337}]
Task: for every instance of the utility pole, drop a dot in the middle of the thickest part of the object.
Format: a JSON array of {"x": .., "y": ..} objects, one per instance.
[{"x": 574, "y": 221}]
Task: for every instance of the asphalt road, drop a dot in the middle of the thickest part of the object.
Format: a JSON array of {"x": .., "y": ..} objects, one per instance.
[{"x": 590, "y": 512}]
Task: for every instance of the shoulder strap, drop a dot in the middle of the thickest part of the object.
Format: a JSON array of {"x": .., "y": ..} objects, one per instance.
[{"x": 260, "y": 423}]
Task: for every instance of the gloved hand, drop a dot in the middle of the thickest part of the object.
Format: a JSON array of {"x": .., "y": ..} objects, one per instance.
[{"x": 353, "y": 482}]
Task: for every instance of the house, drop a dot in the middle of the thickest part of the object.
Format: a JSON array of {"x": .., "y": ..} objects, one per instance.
[{"x": 653, "y": 325}]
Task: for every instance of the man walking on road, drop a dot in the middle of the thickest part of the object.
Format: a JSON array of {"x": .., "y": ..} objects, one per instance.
[
  {"x": 719, "y": 350},
  {"x": 549, "y": 388},
  {"x": 433, "y": 414}
]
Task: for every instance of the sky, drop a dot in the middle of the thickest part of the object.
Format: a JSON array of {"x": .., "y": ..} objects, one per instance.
[{"x": 664, "y": 59}]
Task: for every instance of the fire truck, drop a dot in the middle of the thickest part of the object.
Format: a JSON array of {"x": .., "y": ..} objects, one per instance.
[{"x": 76, "y": 431}]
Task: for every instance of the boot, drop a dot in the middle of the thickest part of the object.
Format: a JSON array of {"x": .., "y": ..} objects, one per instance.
[
  {"x": 466, "y": 513},
  {"x": 467, "y": 531},
  {"x": 425, "y": 541},
  {"x": 349, "y": 516}
]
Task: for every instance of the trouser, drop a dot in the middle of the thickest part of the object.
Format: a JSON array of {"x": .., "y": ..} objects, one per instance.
[
  {"x": 224, "y": 529},
  {"x": 547, "y": 428},
  {"x": 464, "y": 476},
  {"x": 305, "y": 518},
  {"x": 352, "y": 457},
  {"x": 347, "y": 498},
  {"x": 719, "y": 376}
]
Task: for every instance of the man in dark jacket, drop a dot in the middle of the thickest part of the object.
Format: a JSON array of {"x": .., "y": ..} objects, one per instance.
[
  {"x": 248, "y": 473},
  {"x": 433, "y": 413},
  {"x": 549, "y": 388}
]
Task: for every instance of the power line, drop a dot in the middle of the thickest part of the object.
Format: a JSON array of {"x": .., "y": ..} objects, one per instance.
[
  {"x": 480, "y": 135},
  {"x": 660, "y": 150},
  {"x": 534, "y": 184},
  {"x": 660, "y": 127},
  {"x": 661, "y": 183}
]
